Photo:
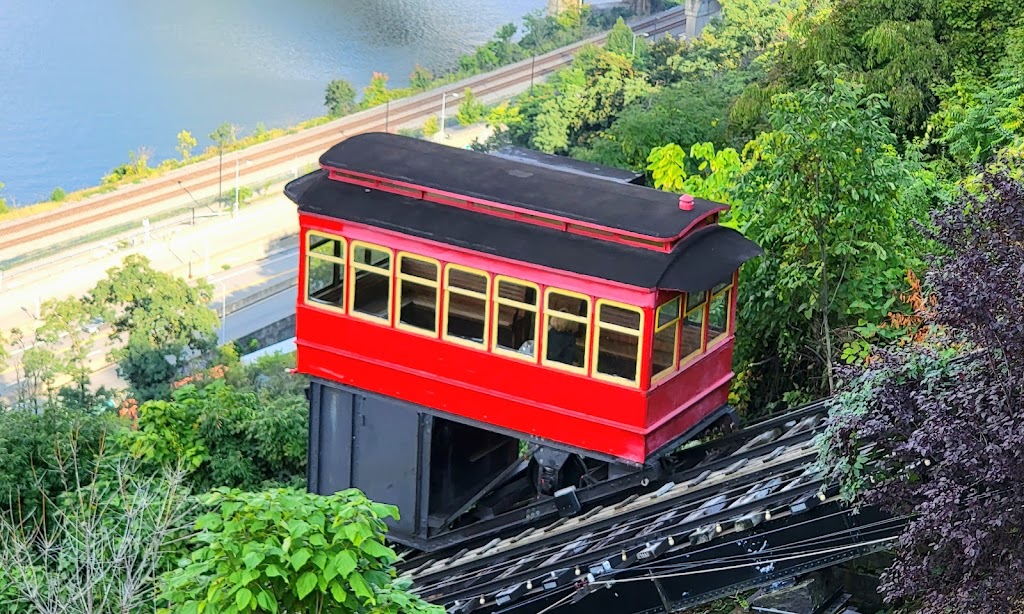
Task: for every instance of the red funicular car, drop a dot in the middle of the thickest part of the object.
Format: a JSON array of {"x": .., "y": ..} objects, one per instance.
[{"x": 453, "y": 304}]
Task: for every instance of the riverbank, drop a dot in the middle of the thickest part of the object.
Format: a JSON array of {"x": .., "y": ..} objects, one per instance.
[{"x": 540, "y": 35}]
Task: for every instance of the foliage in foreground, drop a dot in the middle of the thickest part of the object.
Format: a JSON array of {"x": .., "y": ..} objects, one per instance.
[
  {"x": 290, "y": 551},
  {"x": 107, "y": 539},
  {"x": 34, "y": 447},
  {"x": 945, "y": 418}
]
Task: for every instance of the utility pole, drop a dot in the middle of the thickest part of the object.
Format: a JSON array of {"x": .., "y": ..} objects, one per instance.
[
  {"x": 220, "y": 174},
  {"x": 444, "y": 98},
  {"x": 533, "y": 63},
  {"x": 387, "y": 115}
]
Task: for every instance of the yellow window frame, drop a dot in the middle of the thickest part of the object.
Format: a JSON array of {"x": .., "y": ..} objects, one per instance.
[
  {"x": 486, "y": 296},
  {"x": 435, "y": 284},
  {"x": 676, "y": 323},
  {"x": 535, "y": 309},
  {"x": 312, "y": 302},
  {"x": 727, "y": 290},
  {"x": 573, "y": 318},
  {"x": 362, "y": 266},
  {"x": 703, "y": 308},
  {"x": 638, "y": 333}
]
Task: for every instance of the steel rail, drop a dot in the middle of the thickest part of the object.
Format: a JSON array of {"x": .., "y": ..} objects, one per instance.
[{"x": 755, "y": 475}]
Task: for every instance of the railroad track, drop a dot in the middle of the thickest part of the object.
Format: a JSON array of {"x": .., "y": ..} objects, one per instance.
[
  {"x": 290, "y": 148},
  {"x": 757, "y": 479}
]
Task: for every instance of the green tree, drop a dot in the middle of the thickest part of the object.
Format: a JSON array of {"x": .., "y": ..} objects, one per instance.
[
  {"x": 225, "y": 135},
  {"x": 977, "y": 116},
  {"x": 421, "y": 78},
  {"x": 470, "y": 110},
  {"x": 166, "y": 321},
  {"x": 620, "y": 39},
  {"x": 186, "y": 143},
  {"x": 291, "y": 551},
  {"x": 66, "y": 321},
  {"x": 579, "y": 101},
  {"x": 502, "y": 116},
  {"x": 715, "y": 177},
  {"x": 744, "y": 30},
  {"x": 3, "y": 202},
  {"x": 431, "y": 126},
  {"x": 376, "y": 92},
  {"x": 58, "y": 195},
  {"x": 341, "y": 98},
  {"x": 686, "y": 113},
  {"x": 832, "y": 203}
]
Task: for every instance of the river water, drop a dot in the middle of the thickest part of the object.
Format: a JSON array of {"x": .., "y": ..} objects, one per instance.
[{"x": 83, "y": 82}]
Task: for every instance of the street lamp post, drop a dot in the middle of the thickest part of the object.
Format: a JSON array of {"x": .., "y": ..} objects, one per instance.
[
  {"x": 234, "y": 208},
  {"x": 444, "y": 98},
  {"x": 223, "y": 311},
  {"x": 636, "y": 34}
]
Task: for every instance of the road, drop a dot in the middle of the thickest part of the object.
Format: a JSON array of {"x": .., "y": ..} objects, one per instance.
[
  {"x": 236, "y": 325},
  {"x": 273, "y": 276},
  {"x": 204, "y": 250}
]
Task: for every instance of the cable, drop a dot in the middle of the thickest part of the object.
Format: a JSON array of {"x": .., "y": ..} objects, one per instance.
[
  {"x": 761, "y": 563},
  {"x": 683, "y": 509}
]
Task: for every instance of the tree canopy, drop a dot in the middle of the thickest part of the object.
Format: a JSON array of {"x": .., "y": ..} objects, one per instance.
[{"x": 163, "y": 322}]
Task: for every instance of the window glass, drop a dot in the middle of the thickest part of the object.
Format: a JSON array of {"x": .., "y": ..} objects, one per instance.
[
  {"x": 666, "y": 337},
  {"x": 618, "y": 342},
  {"x": 371, "y": 255},
  {"x": 718, "y": 315},
  {"x": 417, "y": 293},
  {"x": 692, "y": 342},
  {"x": 515, "y": 317},
  {"x": 567, "y": 327},
  {"x": 695, "y": 300},
  {"x": 466, "y": 305},
  {"x": 325, "y": 270},
  {"x": 371, "y": 266}
]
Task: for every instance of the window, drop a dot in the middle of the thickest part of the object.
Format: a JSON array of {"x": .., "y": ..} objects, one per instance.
[
  {"x": 718, "y": 312},
  {"x": 515, "y": 318},
  {"x": 465, "y": 316},
  {"x": 371, "y": 287},
  {"x": 417, "y": 293},
  {"x": 692, "y": 342},
  {"x": 567, "y": 318},
  {"x": 618, "y": 342},
  {"x": 666, "y": 337},
  {"x": 325, "y": 270}
]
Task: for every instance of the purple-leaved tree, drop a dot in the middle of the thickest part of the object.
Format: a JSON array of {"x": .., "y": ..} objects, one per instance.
[{"x": 934, "y": 429}]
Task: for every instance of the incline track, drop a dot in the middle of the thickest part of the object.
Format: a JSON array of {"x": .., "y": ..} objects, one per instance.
[
  {"x": 307, "y": 143},
  {"x": 762, "y": 477}
]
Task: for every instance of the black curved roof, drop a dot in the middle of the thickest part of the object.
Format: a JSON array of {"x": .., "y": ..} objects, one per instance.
[
  {"x": 707, "y": 257},
  {"x": 619, "y": 206}
]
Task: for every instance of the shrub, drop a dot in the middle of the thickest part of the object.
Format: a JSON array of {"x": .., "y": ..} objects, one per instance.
[
  {"x": 33, "y": 447},
  {"x": 431, "y": 127},
  {"x": 291, "y": 551},
  {"x": 224, "y": 435},
  {"x": 107, "y": 540},
  {"x": 57, "y": 195}
]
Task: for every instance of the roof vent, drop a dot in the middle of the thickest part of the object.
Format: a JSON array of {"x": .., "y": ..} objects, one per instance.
[{"x": 686, "y": 202}]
